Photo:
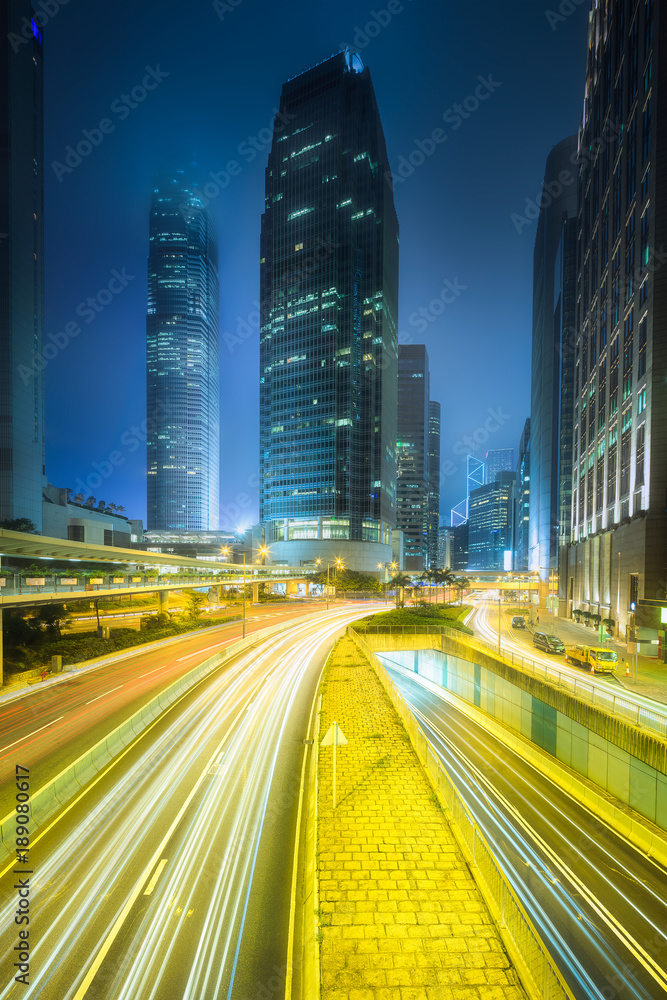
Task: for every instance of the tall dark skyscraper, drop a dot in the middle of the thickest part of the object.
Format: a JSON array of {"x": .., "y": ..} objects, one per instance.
[
  {"x": 522, "y": 501},
  {"x": 21, "y": 265},
  {"x": 552, "y": 356},
  {"x": 619, "y": 527},
  {"x": 182, "y": 364},
  {"x": 412, "y": 507},
  {"x": 433, "y": 482},
  {"x": 328, "y": 342}
]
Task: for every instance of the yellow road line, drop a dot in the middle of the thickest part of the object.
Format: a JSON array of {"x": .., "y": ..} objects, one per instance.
[{"x": 158, "y": 871}]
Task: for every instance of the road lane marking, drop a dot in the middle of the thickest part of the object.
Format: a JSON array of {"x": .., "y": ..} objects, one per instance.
[
  {"x": 104, "y": 694},
  {"x": 163, "y": 667},
  {"x": 156, "y": 874},
  {"x": 34, "y": 733}
]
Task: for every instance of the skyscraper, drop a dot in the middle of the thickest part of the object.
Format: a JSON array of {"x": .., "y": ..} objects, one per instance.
[
  {"x": 182, "y": 365},
  {"x": 433, "y": 482},
  {"x": 328, "y": 340},
  {"x": 552, "y": 353},
  {"x": 412, "y": 446},
  {"x": 490, "y": 522},
  {"x": 21, "y": 265},
  {"x": 498, "y": 460},
  {"x": 619, "y": 527},
  {"x": 522, "y": 501}
]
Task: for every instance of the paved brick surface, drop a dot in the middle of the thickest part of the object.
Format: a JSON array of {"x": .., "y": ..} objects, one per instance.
[{"x": 402, "y": 918}]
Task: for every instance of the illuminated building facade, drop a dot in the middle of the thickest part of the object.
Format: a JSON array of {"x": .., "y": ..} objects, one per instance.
[
  {"x": 490, "y": 523},
  {"x": 328, "y": 340},
  {"x": 619, "y": 530},
  {"x": 434, "y": 484},
  {"x": 412, "y": 447},
  {"x": 182, "y": 366}
]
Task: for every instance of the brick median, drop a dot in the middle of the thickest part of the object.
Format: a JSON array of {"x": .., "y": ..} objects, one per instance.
[{"x": 402, "y": 918}]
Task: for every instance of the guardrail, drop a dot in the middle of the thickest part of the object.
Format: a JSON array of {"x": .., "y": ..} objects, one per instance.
[
  {"x": 55, "y": 793},
  {"x": 597, "y": 695},
  {"x": 530, "y": 954}
]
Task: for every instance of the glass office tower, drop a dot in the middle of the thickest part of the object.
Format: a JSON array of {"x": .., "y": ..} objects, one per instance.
[
  {"x": 434, "y": 485},
  {"x": 616, "y": 560},
  {"x": 328, "y": 343},
  {"x": 21, "y": 266},
  {"x": 182, "y": 364},
  {"x": 412, "y": 504}
]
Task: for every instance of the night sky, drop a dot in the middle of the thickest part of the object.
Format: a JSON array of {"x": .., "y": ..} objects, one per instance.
[{"x": 216, "y": 71}]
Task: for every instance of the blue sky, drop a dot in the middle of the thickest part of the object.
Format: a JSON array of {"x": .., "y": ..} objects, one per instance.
[{"x": 181, "y": 81}]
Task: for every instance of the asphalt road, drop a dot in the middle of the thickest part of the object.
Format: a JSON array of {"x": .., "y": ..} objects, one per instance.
[
  {"x": 46, "y": 728},
  {"x": 597, "y": 901},
  {"x": 170, "y": 877}
]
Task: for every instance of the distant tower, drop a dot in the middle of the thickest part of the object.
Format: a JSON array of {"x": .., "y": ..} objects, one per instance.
[
  {"x": 183, "y": 380},
  {"x": 412, "y": 446},
  {"x": 498, "y": 460},
  {"x": 328, "y": 340},
  {"x": 21, "y": 266},
  {"x": 433, "y": 483}
]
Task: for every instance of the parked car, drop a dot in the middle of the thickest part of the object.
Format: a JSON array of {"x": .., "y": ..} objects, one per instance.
[
  {"x": 518, "y": 621},
  {"x": 549, "y": 643}
]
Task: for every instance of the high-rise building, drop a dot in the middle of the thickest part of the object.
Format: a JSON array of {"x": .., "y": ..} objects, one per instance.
[
  {"x": 459, "y": 553},
  {"x": 445, "y": 547},
  {"x": 522, "y": 501},
  {"x": 490, "y": 522},
  {"x": 619, "y": 525},
  {"x": 433, "y": 483},
  {"x": 21, "y": 265},
  {"x": 182, "y": 364},
  {"x": 552, "y": 361},
  {"x": 328, "y": 340},
  {"x": 412, "y": 449},
  {"x": 496, "y": 461}
]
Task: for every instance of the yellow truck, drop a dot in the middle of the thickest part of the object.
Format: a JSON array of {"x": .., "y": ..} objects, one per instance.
[{"x": 598, "y": 658}]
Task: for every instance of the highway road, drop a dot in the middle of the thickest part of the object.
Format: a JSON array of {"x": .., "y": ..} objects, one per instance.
[
  {"x": 484, "y": 620},
  {"x": 171, "y": 876},
  {"x": 48, "y": 727},
  {"x": 597, "y": 901}
]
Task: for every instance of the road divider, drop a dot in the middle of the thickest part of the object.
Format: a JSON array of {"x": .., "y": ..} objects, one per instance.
[{"x": 47, "y": 800}]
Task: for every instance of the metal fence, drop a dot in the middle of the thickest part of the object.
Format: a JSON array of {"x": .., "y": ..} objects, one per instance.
[
  {"x": 531, "y": 955},
  {"x": 599, "y": 694}
]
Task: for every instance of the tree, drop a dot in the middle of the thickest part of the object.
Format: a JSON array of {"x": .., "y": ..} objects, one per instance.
[
  {"x": 193, "y": 606},
  {"x": 461, "y": 583},
  {"x": 53, "y": 618},
  {"x": 429, "y": 576},
  {"x": 400, "y": 582},
  {"x": 443, "y": 576},
  {"x": 79, "y": 498},
  {"x": 20, "y": 524},
  {"x": 91, "y": 501}
]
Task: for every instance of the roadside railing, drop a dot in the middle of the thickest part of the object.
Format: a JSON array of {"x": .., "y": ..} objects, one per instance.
[
  {"x": 530, "y": 954},
  {"x": 599, "y": 694}
]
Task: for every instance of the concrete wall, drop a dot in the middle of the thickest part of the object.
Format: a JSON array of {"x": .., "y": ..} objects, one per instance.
[{"x": 620, "y": 758}]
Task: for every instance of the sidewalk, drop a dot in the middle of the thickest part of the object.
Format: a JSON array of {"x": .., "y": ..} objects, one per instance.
[
  {"x": 651, "y": 673},
  {"x": 401, "y": 916}
]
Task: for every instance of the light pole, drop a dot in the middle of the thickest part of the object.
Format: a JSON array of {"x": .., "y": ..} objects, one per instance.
[{"x": 244, "y": 594}]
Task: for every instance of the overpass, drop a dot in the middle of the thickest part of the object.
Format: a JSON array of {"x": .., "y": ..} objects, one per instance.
[{"x": 154, "y": 572}]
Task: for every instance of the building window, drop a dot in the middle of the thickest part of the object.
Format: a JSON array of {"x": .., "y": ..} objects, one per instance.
[
  {"x": 108, "y": 536},
  {"x": 75, "y": 533},
  {"x": 639, "y": 460},
  {"x": 646, "y": 132},
  {"x": 645, "y": 250},
  {"x": 641, "y": 359}
]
